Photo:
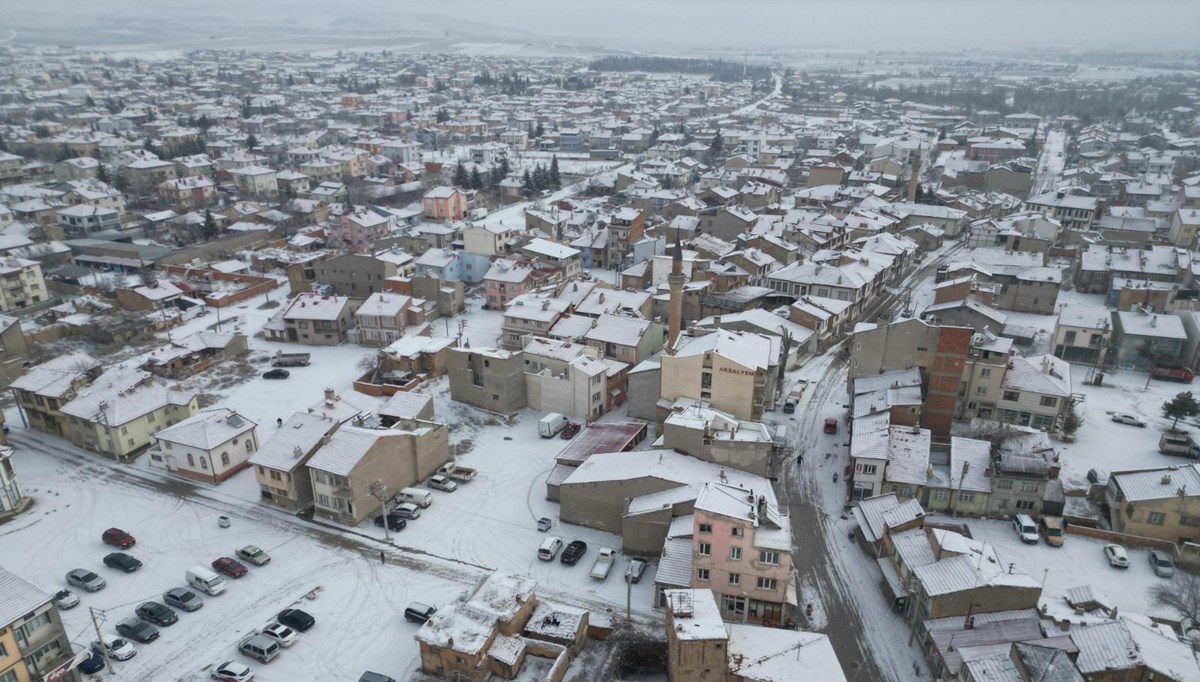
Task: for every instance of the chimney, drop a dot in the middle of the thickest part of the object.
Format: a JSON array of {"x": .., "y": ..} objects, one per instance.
[
  {"x": 1166, "y": 479},
  {"x": 330, "y": 395}
]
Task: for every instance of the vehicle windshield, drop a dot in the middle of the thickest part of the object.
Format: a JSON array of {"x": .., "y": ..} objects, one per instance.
[
  {"x": 1163, "y": 561},
  {"x": 117, "y": 643},
  {"x": 1055, "y": 532},
  {"x": 88, "y": 577}
]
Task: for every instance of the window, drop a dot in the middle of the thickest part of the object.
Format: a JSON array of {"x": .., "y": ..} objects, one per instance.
[
  {"x": 769, "y": 558},
  {"x": 224, "y": 459},
  {"x": 735, "y": 578},
  {"x": 981, "y": 390},
  {"x": 191, "y": 460},
  {"x": 1012, "y": 395},
  {"x": 1003, "y": 484},
  {"x": 736, "y": 605},
  {"x": 203, "y": 462},
  {"x": 11, "y": 675},
  {"x": 150, "y": 417},
  {"x": 704, "y": 549},
  {"x": 737, "y": 531},
  {"x": 36, "y": 623},
  {"x": 767, "y": 584},
  {"x": 735, "y": 553},
  {"x": 167, "y": 445},
  {"x": 1048, "y": 401},
  {"x": 323, "y": 500},
  {"x": 275, "y": 475},
  {"x": 1069, "y": 338},
  {"x": 1156, "y": 518},
  {"x": 701, "y": 574},
  {"x": 706, "y": 528},
  {"x": 1025, "y": 505},
  {"x": 249, "y": 445},
  {"x": 869, "y": 469},
  {"x": 921, "y": 349},
  {"x": 1029, "y": 487},
  {"x": 966, "y": 496}
]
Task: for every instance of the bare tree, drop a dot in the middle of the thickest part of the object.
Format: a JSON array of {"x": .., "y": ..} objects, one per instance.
[{"x": 1181, "y": 595}]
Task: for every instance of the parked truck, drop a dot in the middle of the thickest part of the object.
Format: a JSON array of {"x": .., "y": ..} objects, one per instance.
[
  {"x": 1181, "y": 374},
  {"x": 1178, "y": 444},
  {"x": 282, "y": 359},
  {"x": 603, "y": 564},
  {"x": 458, "y": 473}
]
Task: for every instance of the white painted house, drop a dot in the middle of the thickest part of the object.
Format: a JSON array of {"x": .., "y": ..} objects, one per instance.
[{"x": 212, "y": 445}]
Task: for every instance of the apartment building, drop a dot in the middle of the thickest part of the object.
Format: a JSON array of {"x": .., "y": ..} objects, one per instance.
[
  {"x": 730, "y": 370},
  {"x": 21, "y": 284},
  {"x": 34, "y": 645},
  {"x": 118, "y": 414}
]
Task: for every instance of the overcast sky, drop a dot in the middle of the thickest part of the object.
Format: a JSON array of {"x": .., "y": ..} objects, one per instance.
[{"x": 647, "y": 25}]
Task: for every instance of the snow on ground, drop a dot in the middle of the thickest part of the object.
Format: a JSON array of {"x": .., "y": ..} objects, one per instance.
[
  {"x": 358, "y": 605},
  {"x": 1080, "y": 561}
]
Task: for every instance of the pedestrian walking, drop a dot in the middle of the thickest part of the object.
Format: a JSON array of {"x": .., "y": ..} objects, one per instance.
[
  {"x": 382, "y": 557},
  {"x": 800, "y": 459}
]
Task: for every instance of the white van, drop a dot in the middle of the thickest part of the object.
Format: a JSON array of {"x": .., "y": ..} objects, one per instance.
[
  {"x": 551, "y": 424},
  {"x": 418, "y": 496},
  {"x": 205, "y": 580},
  {"x": 1026, "y": 529},
  {"x": 549, "y": 548}
]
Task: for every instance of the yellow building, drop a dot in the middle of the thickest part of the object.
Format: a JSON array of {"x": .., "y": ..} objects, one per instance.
[
  {"x": 1156, "y": 503},
  {"x": 118, "y": 414},
  {"x": 731, "y": 371},
  {"x": 32, "y": 639}
]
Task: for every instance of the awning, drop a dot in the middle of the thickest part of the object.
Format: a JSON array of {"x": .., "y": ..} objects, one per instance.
[
  {"x": 892, "y": 578},
  {"x": 791, "y": 593}
]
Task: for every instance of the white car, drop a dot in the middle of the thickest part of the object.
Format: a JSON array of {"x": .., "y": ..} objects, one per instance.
[
  {"x": 63, "y": 598},
  {"x": 281, "y": 633},
  {"x": 1117, "y": 558},
  {"x": 116, "y": 648},
  {"x": 232, "y": 671},
  {"x": 442, "y": 483},
  {"x": 1124, "y": 418}
]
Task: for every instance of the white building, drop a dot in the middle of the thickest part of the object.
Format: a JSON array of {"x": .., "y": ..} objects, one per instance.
[
  {"x": 21, "y": 283},
  {"x": 212, "y": 445},
  {"x": 12, "y": 500}
]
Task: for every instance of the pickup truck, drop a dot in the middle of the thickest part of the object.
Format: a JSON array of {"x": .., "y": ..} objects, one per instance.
[
  {"x": 603, "y": 564},
  {"x": 458, "y": 473},
  {"x": 282, "y": 359}
]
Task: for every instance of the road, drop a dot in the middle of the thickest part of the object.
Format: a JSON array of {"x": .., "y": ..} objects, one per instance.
[
  {"x": 1050, "y": 163},
  {"x": 840, "y": 580},
  {"x": 755, "y": 105}
]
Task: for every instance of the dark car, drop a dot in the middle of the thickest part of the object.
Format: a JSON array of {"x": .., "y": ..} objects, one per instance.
[
  {"x": 183, "y": 598},
  {"x": 138, "y": 630},
  {"x": 831, "y": 425},
  {"x": 118, "y": 538},
  {"x": 122, "y": 561},
  {"x": 572, "y": 552},
  {"x": 276, "y": 373},
  {"x": 569, "y": 431},
  {"x": 296, "y": 619},
  {"x": 160, "y": 615},
  {"x": 93, "y": 663},
  {"x": 394, "y": 522},
  {"x": 418, "y": 612},
  {"x": 230, "y": 567}
]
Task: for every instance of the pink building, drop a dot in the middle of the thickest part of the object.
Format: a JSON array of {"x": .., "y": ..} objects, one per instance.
[
  {"x": 357, "y": 231},
  {"x": 444, "y": 203},
  {"x": 508, "y": 278},
  {"x": 742, "y": 545}
]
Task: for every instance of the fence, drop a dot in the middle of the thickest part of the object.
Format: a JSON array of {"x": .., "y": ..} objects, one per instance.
[{"x": 1122, "y": 538}]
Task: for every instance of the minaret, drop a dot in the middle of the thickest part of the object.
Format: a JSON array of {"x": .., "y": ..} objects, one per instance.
[{"x": 675, "y": 307}]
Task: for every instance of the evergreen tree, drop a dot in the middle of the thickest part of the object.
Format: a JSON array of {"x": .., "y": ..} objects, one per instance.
[
  {"x": 3, "y": 144},
  {"x": 476, "y": 179},
  {"x": 495, "y": 176},
  {"x": 209, "y": 228},
  {"x": 716, "y": 149},
  {"x": 442, "y": 116},
  {"x": 539, "y": 130},
  {"x": 539, "y": 178},
  {"x": 251, "y": 141},
  {"x": 504, "y": 167},
  {"x": 120, "y": 182},
  {"x": 102, "y": 174},
  {"x": 1182, "y": 405},
  {"x": 460, "y": 175},
  {"x": 526, "y": 183},
  {"x": 554, "y": 180}
]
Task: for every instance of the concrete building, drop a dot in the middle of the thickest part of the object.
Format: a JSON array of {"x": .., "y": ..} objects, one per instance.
[
  {"x": 258, "y": 182},
  {"x": 444, "y": 203},
  {"x": 280, "y": 464},
  {"x": 34, "y": 645},
  {"x": 1035, "y": 392},
  {"x": 14, "y": 350},
  {"x": 44, "y": 389},
  {"x": 318, "y": 320},
  {"x": 1156, "y": 503},
  {"x": 21, "y": 283},
  {"x": 729, "y": 370},
  {"x": 568, "y": 378},
  {"x": 118, "y": 414},
  {"x": 1142, "y": 339},
  {"x": 361, "y": 274},
  {"x": 383, "y": 318},
  {"x": 210, "y": 446},
  {"x": 12, "y": 500},
  {"x": 344, "y": 468},
  {"x": 1082, "y": 333},
  {"x": 490, "y": 379},
  {"x": 693, "y": 428}
]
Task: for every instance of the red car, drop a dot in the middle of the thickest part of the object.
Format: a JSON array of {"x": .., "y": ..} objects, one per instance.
[
  {"x": 118, "y": 538},
  {"x": 569, "y": 431},
  {"x": 831, "y": 425},
  {"x": 229, "y": 566}
]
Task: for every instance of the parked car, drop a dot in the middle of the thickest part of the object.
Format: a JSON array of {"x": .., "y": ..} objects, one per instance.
[
  {"x": 605, "y": 558},
  {"x": 1117, "y": 558},
  {"x": 63, "y": 598},
  {"x": 406, "y": 510},
  {"x": 1162, "y": 563},
  {"x": 375, "y": 677},
  {"x": 122, "y": 561},
  {"x": 569, "y": 431},
  {"x": 254, "y": 555},
  {"x": 156, "y": 613},
  {"x": 118, "y": 538},
  {"x": 442, "y": 483},
  {"x": 418, "y": 612},
  {"x": 93, "y": 663},
  {"x": 138, "y": 630},
  {"x": 116, "y": 648},
  {"x": 296, "y": 619},
  {"x": 1095, "y": 476},
  {"x": 573, "y": 551},
  {"x": 549, "y": 549},
  {"x": 635, "y": 570},
  {"x": 1126, "y": 418},
  {"x": 544, "y": 524},
  {"x": 86, "y": 580},
  {"x": 1025, "y": 528},
  {"x": 281, "y": 633},
  {"x": 831, "y": 425},
  {"x": 259, "y": 647},
  {"x": 232, "y": 671},
  {"x": 276, "y": 373},
  {"x": 229, "y": 566},
  {"x": 394, "y": 521},
  {"x": 183, "y": 598}
]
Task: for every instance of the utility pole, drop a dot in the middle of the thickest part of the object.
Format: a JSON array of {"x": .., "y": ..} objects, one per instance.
[
  {"x": 100, "y": 638},
  {"x": 379, "y": 491},
  {"x": 628, "y": 597}
]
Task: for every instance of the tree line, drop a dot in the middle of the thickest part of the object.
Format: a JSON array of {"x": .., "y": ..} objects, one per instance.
[{"x": 718, "y": 69}]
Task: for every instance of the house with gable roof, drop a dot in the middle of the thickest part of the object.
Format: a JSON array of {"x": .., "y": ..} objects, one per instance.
[{"x": 212, "y": 445}]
